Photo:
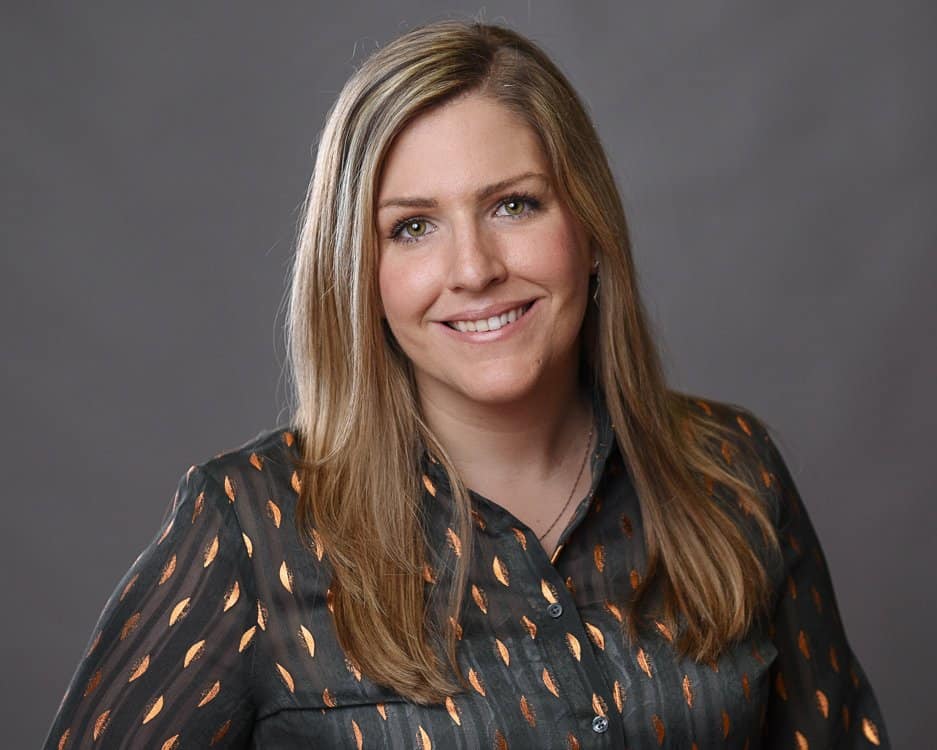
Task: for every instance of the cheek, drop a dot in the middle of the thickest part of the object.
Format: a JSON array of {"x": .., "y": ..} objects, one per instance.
[{"x": 407, "y": 289}]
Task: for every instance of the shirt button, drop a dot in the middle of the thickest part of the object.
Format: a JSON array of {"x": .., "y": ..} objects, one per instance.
[
  {"x": 555, "y": 609},
  {"x": 599, "y": 724}
]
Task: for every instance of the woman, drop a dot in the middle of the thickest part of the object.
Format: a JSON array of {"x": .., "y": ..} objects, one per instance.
[{"x": 423, "y": 557}]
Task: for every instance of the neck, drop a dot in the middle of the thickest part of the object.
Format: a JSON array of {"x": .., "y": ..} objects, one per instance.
[{"x": 533, "y": 439}]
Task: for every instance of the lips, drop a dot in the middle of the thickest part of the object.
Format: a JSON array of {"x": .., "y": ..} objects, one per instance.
[{"x": 492, "y": 322}]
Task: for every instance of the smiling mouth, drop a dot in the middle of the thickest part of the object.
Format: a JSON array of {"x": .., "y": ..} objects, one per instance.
[{"x": 494, "y": 323}]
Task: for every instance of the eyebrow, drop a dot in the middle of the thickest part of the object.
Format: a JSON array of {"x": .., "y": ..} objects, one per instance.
[{"x": 480, "y": 194}]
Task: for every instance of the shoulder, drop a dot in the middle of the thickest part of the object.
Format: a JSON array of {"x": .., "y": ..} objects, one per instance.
[
  {"x": 259, "y": 469},
  {"x": 744, "y": 438}
]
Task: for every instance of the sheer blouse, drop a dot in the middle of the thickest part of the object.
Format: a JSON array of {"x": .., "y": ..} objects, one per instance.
[{"x": 219, "y": 635}]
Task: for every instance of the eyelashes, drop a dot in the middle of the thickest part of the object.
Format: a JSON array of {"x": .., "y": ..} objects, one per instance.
[{"x": 531, "y": 202}]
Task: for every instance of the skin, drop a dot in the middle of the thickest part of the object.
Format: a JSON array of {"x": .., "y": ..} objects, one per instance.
[{"x": 510, "y": 413}]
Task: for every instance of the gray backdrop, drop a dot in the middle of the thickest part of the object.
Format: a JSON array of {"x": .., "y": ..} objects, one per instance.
[{"x": 777, "y": 162}]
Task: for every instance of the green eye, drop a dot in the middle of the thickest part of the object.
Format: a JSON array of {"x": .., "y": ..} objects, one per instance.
[
  {"x": 416, "y": 228},
  {"x": 514, "y": 207}
]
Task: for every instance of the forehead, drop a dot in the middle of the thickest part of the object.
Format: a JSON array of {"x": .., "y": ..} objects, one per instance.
[{"x": 453, "y": 149}]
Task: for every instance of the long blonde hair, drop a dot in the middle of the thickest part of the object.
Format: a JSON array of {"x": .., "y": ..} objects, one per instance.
[{"x": 356, "y": 413}]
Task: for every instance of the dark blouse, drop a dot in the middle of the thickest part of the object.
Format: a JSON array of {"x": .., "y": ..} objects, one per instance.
[{"x": 220, "y": 633}]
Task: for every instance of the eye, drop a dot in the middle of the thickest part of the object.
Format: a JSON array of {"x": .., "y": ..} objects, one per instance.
[
  {"x": 519, "y": 205},
  {"x": 414, "y": 230}
]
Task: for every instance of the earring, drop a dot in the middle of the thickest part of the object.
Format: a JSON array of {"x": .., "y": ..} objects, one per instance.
[{"x": 598, "y": 278}]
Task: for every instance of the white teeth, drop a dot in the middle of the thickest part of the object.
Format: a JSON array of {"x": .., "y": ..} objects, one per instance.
[{"x": 490, "y": 324}]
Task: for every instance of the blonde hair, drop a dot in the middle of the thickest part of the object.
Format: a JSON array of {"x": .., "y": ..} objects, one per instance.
[{"x": 356, "y": 412}]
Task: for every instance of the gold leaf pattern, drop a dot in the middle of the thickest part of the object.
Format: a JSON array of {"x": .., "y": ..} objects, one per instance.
[
  {"x": 286, "y": 578},
  {"x": 595, "y": 635},
  {"x": 548, "y": 681},
  {"x": 598, "y": 705},
  {"x": 153, "y": 710},
  {"x": 181, "y": 584},
  {"x": 319, "y": 547},
  {"x": 644, "y": 663},
  {"x": 801, "y": 741},
  {"x": 430, "y": 487},
  {"x": 139, "y": 667},
  {"x": 168, "y": 569},
  {"x": 220, "y": 733},
  {"x": 520, "y": 536},
  {"x": 453, "y": 710},
  {"x": 480, "y": 599},
  {"x": 500, "y": 571},
  {"x": 803, "y": 645},
  {"x": 659, "y": 729},
  {"x": 476, "y": 682},
  {"x": 423, "y": 737},
  {"x": 179, "y": 611},
  {"x": 503, "y": 652},
  {"x": 287, "y": 677},
  {"x": 209, "y": 695},
  {"x": 100, "y": 724},
  {"x": 210, "y": 552},
  {"x": 198, "y": 506},
  {"x": 870, "y": 731},
  {"x": 308, "y": 641},
  {"x": 231, "y": 596},
  {"x": 548, "y": 591},
  {"x": 129, "y": 586},
  {"x": 93, "y": 683},
  {"x": 131, "y": 624},
  {"x": 296, "y": 483},
  {"x": 454, "y": 541},
  {"x": 246, "y": 638},
  {"x": 194, "y": 652}
]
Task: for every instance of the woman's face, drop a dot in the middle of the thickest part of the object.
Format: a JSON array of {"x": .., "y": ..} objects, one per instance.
[{"x": 484, "y": 273}]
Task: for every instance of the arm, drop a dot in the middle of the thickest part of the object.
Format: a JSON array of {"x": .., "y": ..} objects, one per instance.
[
  {"x": 820, "y": 696},
  {"x": 169, "y": 663}
]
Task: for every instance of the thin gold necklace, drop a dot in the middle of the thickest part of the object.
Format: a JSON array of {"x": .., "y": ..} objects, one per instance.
[{"x": 576, "y": 483}]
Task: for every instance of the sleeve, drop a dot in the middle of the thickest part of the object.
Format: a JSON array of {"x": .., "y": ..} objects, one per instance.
[
  {"x": 168, "y": 664},
  {"x": 819, "y": 694}
]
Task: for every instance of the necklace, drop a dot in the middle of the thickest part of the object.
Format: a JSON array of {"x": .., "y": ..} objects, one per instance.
[{"x": 575, "y": 484}]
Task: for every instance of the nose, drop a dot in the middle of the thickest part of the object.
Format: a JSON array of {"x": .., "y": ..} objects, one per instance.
[{"x": 476, "y": 259}]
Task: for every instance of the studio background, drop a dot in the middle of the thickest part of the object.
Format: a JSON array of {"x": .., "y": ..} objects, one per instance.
[{"x": 777, "y": 163}]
